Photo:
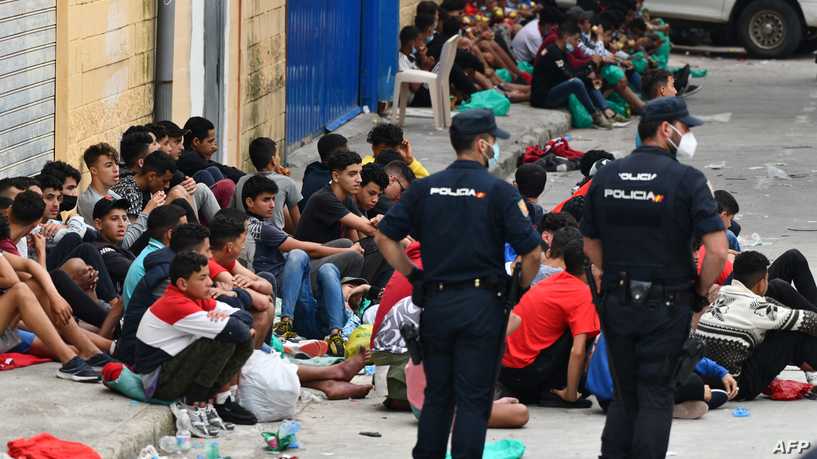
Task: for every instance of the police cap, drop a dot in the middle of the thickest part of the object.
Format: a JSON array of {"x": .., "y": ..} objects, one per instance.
[
  {"x": 475, "y": 122},
  {"x": 669, "y": 109}
]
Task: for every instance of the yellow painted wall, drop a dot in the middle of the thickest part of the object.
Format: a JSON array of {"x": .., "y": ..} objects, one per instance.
[{"x": 105, "y": 61}]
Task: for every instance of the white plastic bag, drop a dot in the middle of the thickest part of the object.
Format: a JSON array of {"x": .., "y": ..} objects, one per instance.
[{"x": 269, "y": 386}]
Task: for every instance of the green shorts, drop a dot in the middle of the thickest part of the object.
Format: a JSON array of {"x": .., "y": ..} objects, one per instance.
[{"x": 396, "y": 376}]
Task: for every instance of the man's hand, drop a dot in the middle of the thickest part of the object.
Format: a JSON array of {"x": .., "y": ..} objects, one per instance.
[
  {"x": 217, "y": 316},
  {"x": 597, "y": 272},
  {"x": 38, "y": 243},
  {"x": 356, "y": 247},
  {"x": 406, "y": 152},
  {"x": 242, "y": 281},
  {"x": 62, "y": 311},
  {"x": 188, "y": 184},
  {"x": 713, "y": 293},
  {"x": 49, "y": 230},
  {"x": 376, "y": 219},
  {"x": 731, "y": 386},
  {"x": 156, "y": 199},
  {"x": 564, "y": 395}
]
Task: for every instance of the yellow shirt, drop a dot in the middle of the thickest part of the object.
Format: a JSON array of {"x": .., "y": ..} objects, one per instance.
[{"x": 415, "y": 166}]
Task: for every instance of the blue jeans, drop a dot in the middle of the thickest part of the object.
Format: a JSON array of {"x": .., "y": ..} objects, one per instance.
[
  {"x": 734, "y": 244},
  {"x": 208, "y": 176},
  {"x": 558, "y": 95},
  {"x": 313, "y": 317}
]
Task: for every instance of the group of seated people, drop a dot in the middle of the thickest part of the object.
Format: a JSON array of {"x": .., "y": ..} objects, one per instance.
[
  {"x": 536, "y": 52},
  {"x": 175, "y": 265}
]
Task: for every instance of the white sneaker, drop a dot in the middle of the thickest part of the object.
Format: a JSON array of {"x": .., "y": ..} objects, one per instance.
[{"x": 811, "y": 377}]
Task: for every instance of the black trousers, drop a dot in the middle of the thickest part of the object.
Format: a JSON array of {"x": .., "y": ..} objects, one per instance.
[
  {"x": 71, "y": 246},
  {"x": 84, "y": 307},
  {"x": 548, "y": 371},
  {"x": 793, "y": 267},
  {"x": 780, "y": 348},
  {"x": 461, "y": 332},
  {"x": 644, "y": 345}
]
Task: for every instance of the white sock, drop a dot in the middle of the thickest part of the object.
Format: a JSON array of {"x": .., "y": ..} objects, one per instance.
[
  {"x": 234, "y": 392},
  {"x": 222, "y": 397}
]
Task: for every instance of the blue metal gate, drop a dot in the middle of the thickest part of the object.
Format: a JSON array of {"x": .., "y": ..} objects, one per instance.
[{"x": 323, "y": 65}]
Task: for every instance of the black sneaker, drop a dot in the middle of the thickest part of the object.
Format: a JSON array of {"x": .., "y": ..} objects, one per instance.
[
  {"x": 100, "y": 360},
  {"x": 232, "y": 412},
  {"x": 719, "y": 397},
  {"x": 550, "y": 400},
  {"x": 77, "y": 370}
]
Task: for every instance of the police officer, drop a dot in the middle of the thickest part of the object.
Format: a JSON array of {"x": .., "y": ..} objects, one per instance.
[
  {"x": 640, "y": 217},
  {"x": 462, "y": 216}
]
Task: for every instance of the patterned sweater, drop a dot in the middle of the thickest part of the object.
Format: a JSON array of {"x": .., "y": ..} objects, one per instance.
[{"x": 738, "y": 321}]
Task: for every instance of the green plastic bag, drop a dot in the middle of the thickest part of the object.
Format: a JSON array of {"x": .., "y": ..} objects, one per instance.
[
  {"x": 618, "y": 105},
  {"x": 693, "y": 73},
  {"x": 504, "y": 75},
  {"x": 490, "y": 99},
  {"x": 639, "y": 61},
  {"x": 580, "y": 116},
  {"x": 501, "y": 449},
  {"x": 276, "y": 344},
  {"x": 525, "y": 66},
  {"x": 129, "y": 384},
  {"x": 612, "y": 74}
]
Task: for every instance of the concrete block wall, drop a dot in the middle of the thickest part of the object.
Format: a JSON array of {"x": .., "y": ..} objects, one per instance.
[
  {"x": 108, "y": 61},
  {"x": 262, "y": 74}
]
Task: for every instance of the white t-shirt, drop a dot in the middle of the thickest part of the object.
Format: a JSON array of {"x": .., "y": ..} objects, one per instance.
[{"x": 527, "y": 41}]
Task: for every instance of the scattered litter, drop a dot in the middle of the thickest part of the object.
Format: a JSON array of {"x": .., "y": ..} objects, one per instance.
[
  {"x": 717, "y": 118},
  {"x": 753, "y": 241},
  {"x": 755, "y": 168},
  {"x": 805, "y": 230},
  {"x": 284, "y": 439},
  {"x": 148, "y": 452},
  {"x": 776, "y": 172},
  {"x": 371, "y": 434},
  {"x": 741, "y": 412},
  {"x": 735, "y": 178},
  {"x": 716, "y": 166},
  {"x": 181, "y": 443}
]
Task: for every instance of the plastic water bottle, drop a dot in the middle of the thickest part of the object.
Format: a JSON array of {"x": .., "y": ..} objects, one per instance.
[{"x": 213, "y": 450}]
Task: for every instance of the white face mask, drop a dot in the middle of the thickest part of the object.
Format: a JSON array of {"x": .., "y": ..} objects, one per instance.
[
  {"x": 569, "y": 47},
  {"x": 687, "y": 146}
]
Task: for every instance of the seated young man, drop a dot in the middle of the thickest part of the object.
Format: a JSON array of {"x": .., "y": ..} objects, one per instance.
[
  {"x": 52, "y": 228},
  {"x": 111, "y": 221},
  {"x": 308, "y": 267},
  {"x": 549, "y": 335},
  {"x": 530, "y": 179},
  {"x": 192, "y": 347},
  {"x": 390, "y": 136},
  {"x": 145, "y": 188},
  {"x": 70, "y": 177},
  {"x": 286, "y": 214},
  {"x": 331, "y": 213},
  {"x": 317, "y": 174},
  {"x": 161, "y": 224},
  {"x": 754, "y": 336},
  {"x": 410, "y": 42},
  {"x": 199, "y": 147},
  {"x": 373, "y": 183},
  {"x": 728, "y": 208}
]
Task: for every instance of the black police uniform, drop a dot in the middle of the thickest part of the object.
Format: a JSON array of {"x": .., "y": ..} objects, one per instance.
[
  {"x": 462, "y": 216},
  {"x": 645, "y": 209}
]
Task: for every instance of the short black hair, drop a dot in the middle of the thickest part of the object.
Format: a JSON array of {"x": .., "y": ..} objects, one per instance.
[
  {"x": 92, "y": 153},
  {"x": 184, "y": 204},
  {"x": 531, "y": 179},
  {"x": 188, "y": 236},
  {"x": 451, "y": 26},
  {"x": 9, "y": 183},
  {"x": 408, "y": 34},
  {"x": 159, "y": 162},
  {"x": 400, "y": 168},
  {"x": 134, "y": 146},
  {"x": 162, "y": 219},
  {"x": 575, "y": 207},
  {"x": 226, "y": 226},
  {"x": 185, "y": 264},
  {"x": 5, "y": 228},
  {"x": 654, "y": 78},
  {"x": 638, "y": 26},
  {"x": 388, "y": 134},
  {"x": 48, "y": 181},
  {"x": 552, "y": 222},
  {"x": 256, "y": 185},
  {"x": 750, "y": 267},
  {"x": 61, "y": 170},
  {"x": 574, "y": 257},
  {"x": 647, "y": 129},
  {"x": 158, "y": 130},
  {"x": 199, "y": 128},
  {"x": 427, "y": 7},
  {"x": 726, "y": 202},
  {"x": 387, "y": 155},
  {"x": 452, "y": 5},
  {"x": 568, "y": 27},
  {"x": 551, "y": 14},
  {"x": 464, "y": 142},
  {"x": 329, "y": 144},
  {"x": 374, "y": 173},
  {"x": 561, "y": 238},
  {"x": 262, "y": 151},
  {"x": 590, "y": 158},
  {"x": 343, "y": 159},
  {"x": 5, "y": 203},
  {"x": 424, "y": 21},
  {"x": 28, "y": 208}
]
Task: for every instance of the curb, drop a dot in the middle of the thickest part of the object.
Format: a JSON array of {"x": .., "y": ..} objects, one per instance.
[
  {"x": 533, "y": 136},
  {"x": 145, "y": 428}
]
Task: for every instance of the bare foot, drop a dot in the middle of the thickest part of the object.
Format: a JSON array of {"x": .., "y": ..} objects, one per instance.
[
  {"x": 349, "y": 368},
  {"x": 506, "y": 401},
  {"x": 340, "y": 390}
]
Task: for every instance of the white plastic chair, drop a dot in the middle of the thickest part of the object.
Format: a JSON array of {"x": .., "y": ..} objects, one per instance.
[{"x": 438, "y": 87}]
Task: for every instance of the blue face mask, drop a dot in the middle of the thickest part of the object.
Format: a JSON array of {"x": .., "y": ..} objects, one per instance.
[
  {"x": 569, "y": 48},
  {"x": 414, "y": 51},
  {"x": 492, "y": 161},
  {"x": 429, "y": 39}
]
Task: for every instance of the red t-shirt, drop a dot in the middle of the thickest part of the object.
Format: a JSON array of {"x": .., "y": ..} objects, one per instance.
[
  {"x": 582, "y": 191},
  {"x": 215, "y": 268},
  {"x": 727, "y": 267},
  {"x": 7, "y": 245},
  {"x": 551, "y": 307},
  {"x": 396, "y": 289}
]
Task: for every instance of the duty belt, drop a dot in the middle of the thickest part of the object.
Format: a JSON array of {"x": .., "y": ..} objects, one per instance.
[
  {"x": 640, "y": 292},
  {"x": 479, "y": 282}
]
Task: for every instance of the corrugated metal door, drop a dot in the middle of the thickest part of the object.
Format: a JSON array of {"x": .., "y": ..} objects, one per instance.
[
  {"x": 27, "y": 85},
  {"x": 323, "y": 65}
]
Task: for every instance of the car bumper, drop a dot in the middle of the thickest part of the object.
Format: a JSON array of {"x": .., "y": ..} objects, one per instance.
[{"x": 809, "y": 8}]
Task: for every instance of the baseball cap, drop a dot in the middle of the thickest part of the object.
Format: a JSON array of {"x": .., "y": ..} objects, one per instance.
[
  {"x": 173, "y": 129},
  {"x": 474, "y": 122},
  {"x": 670, "y": 109},
  {"x": 105, "y": 205}
]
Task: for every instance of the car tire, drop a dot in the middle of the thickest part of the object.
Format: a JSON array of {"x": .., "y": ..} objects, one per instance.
[{"x": 769, "y": 29}]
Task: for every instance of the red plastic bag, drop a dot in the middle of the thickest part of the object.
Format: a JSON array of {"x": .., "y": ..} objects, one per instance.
[
  {"x": 786, "y": 389},
  {"x": 558, "y": 146}
]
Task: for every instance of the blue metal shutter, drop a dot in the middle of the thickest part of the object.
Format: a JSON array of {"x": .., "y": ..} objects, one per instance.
[{"x": 27, "y": 85}]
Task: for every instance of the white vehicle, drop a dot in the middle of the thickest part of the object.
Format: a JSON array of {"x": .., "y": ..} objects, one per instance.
[{"x": 766, "y": 28}]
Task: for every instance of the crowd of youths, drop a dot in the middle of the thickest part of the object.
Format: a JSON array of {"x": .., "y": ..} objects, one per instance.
[{"x": 180, "y": 267}]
